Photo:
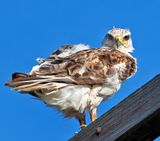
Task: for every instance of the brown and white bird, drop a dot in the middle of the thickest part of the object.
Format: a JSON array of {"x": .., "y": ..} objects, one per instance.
[{"x": 77, "y": 78}]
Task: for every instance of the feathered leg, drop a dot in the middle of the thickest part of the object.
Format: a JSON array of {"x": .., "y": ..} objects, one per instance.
[
  {"x": 93, "y": 114},
  {"x": 82, "y": 121}
]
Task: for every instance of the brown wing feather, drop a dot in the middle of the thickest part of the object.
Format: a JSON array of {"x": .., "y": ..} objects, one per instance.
[
  {"x": 90, "y": 66},
  {"x": 94, "y": 66},
  {"x": 86, "y": 67}
]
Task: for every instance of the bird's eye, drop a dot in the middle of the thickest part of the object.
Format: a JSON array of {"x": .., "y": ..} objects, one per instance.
[
  {"x": 126, "y": 38},
  {"x": 109, "y": 36}
]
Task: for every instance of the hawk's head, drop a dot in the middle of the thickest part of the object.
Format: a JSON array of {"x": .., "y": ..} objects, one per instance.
[{"x": 119, "y": 39}]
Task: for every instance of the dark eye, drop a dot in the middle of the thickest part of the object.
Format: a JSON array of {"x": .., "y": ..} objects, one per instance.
[
  {"x": 109, "y": 36},
  {"x": 126, "y": 38}
]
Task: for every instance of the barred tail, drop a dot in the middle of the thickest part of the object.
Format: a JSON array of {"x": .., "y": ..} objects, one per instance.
[{"x": 29, "y": 83}]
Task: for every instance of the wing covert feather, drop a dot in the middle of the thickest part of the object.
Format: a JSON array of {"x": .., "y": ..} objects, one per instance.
[{"x": 90, "y": 66}]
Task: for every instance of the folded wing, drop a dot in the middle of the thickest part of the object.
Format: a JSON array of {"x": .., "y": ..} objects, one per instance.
[{"x": 86, "y": 67}]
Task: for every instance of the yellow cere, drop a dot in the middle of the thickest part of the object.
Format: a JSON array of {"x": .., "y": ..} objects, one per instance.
[{"x": 120, "y": 38}]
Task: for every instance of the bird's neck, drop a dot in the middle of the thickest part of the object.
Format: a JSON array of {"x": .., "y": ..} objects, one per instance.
[{"x": 125, "y": 51}]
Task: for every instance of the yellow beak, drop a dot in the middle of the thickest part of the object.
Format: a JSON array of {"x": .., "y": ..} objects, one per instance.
[{"x": 120, "y": 39}]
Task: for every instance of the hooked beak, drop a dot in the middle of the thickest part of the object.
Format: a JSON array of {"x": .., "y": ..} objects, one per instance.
[{"x": 117, "y": 40}]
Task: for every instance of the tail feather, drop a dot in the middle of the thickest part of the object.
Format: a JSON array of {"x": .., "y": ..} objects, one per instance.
[
  {"x": 28, "y": 83},
  {"x": 18, "y": 76}
]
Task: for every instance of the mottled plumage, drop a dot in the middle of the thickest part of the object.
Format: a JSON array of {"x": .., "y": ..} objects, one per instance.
[{"x": 76, "y": 78}]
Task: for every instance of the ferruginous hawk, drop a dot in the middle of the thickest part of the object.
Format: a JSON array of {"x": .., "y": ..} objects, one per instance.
[{"x": 77, "y": 78}]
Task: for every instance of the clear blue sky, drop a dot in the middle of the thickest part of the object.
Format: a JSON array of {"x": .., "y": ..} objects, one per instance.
[{"x": 34, "y": 28}]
